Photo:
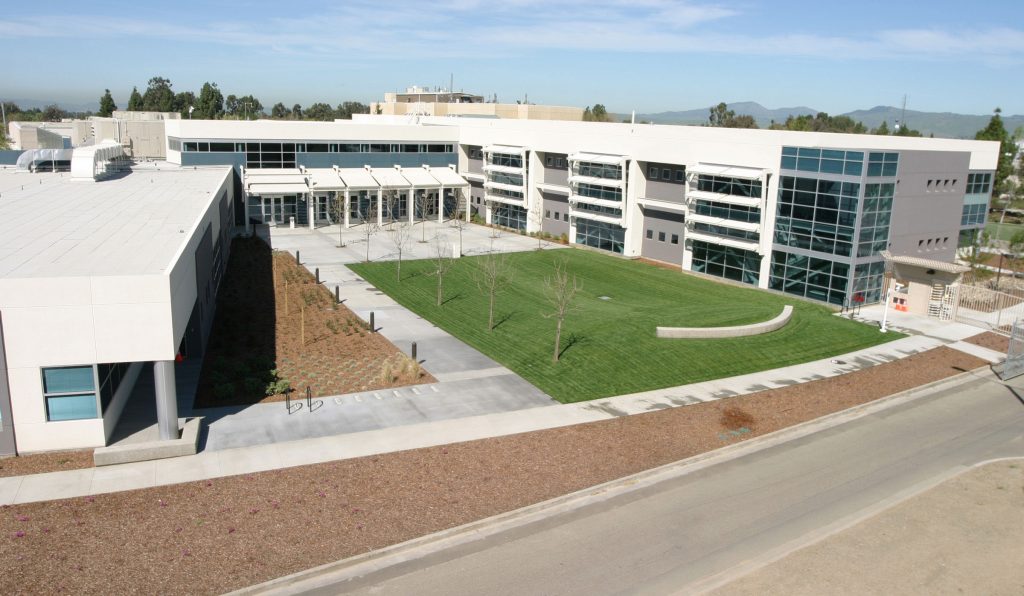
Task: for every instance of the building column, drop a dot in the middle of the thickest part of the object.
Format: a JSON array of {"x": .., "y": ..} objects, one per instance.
[
  {"x": 466, "y": 192},
  {"x": 440, "y": 205},
  {"x": 348, "y": 209},
  {"x": 166, "y": 400},
  {"x": 411, "y": 205},
  {"x": 380, "y": 206},
  {"x": 311, "y": 211},
  {"x": 8, "y": 445},
  {"x": 245, "y": 209}
]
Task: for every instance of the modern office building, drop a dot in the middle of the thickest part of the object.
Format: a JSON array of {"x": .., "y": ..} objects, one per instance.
[
  {"x": 103, "y": 277},
  {"x": 420, "y": 101}
]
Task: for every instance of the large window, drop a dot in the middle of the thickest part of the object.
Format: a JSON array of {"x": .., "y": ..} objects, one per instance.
[
  {"x": 501, "y": 192},
  {"x": 973, "y": 214},
  {"x": 507, "y": 160},
  {"x": 725, "y": 231},
  {"x": 826, "y": 161},
  {"x": 725, "y": 261},
  {"x": 598, "y": 170},
  {"x": 601, "y": 235},
  {"x": 509, "y": 216},
  {"x": 727, "y": 211},
  {"x": 597, "y": 210},
  {"x": 867, "y": 282},
  {"x": 811, "y": 277},
  {"x": 979, "y": 183},
  {"x": 739, "y": 187},
  {"x": 70, "y": 393},
  {"x": 817, "y": 214},
  {"x": 599, "y": 192},
  {"x": 503, "y": 178},
  {"x": 874, "y": 223},
  {"x": 883, "y": 164}
]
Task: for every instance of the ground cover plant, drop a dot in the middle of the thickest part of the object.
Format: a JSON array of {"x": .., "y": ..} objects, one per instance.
[
  {"x": 277, "y": 331},
  {"x": 608, "y": 342}
]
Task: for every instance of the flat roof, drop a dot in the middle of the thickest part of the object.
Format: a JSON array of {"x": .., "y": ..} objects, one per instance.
[{"x": 136, "y": 224}]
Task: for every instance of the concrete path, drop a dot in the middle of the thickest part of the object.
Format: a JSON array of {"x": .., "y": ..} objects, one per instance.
[
  {"x": 690, "y": 532},
  {"x": 475, "y": 397}
]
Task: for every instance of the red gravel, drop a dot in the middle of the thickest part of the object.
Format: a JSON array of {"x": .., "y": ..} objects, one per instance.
[
  {"x": 37, "y": 463},
  {"x": 990, "y": 340},
  {"x": 226, "y": 533}
]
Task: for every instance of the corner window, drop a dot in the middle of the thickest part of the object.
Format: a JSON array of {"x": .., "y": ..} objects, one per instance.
[
  {"x": 70, "y": 393},
  {"x": 675, "y": 238},
  {"x": 650, "y": 234},
  {"x": 680, "y": 175},
  {"x": 652, "y": 172},
  {"x": 547, "y": 214},
  {"x": 565, "y": 216}
]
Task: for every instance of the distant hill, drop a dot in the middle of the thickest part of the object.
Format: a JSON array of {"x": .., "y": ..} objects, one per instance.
[{"x": 941, "y": 124}]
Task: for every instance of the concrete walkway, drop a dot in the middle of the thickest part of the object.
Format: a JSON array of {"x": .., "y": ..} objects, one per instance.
[{"x": 474, "y": 398}]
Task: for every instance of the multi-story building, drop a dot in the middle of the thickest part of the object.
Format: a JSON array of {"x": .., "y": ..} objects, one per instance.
[{"x": 130, "y": 279}]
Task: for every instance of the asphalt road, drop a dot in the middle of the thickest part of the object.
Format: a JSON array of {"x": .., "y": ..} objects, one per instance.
[{"x": 686, "y": 533}]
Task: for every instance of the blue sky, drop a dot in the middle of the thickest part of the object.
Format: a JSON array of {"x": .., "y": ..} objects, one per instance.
[{"x": 648, "y": 55}]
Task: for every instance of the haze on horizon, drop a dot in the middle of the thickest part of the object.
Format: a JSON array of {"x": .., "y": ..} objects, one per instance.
[{"x": 647, "y": 55}]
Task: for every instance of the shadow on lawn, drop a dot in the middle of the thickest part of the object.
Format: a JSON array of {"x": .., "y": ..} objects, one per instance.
[{"x": 572, "y": 340}]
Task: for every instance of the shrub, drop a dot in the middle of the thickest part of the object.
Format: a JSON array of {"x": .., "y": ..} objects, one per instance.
[
  {"x": 224, "y": 391},
  {"x": 563, "y": 238}
]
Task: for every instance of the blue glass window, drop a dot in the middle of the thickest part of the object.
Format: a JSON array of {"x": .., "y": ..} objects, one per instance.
[{"x": 70, "y": 393}]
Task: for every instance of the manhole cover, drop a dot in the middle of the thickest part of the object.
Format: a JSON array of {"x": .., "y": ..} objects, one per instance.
[{"x": 604, "y": 297}]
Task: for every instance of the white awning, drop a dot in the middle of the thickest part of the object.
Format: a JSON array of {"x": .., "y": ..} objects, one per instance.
[
  {"x": 249, "y": 172},
  {"x": 507, "y": 149},
  {"x": 389, "y": 178},
  {"x": 448, "y": 177},
  {"x": 598, "y": 158},
  {"x": 324, "y": 179},
  {"x": 276, "y": 179},
  {"x": 923, "y": 263},
  {"x": 420, "y": 178},
  {"x": 256, "y": 188},
  {"x": 748, "y": 226},
  {"x": 358, "y": 179},
  {"x": 723, "y": 198},
  {"x": 714, "y": 169}
]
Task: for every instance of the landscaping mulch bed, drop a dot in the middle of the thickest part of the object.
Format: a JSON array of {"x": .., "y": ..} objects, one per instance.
[
  {"x": 276, "y": 326},
  {"x": 990, "y": 340},
  {"x": 226, "y": 533},
  {"x": 38, "y": 463}
]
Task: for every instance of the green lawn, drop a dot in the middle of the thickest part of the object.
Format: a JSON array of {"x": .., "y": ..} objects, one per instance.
[
  {"x": 612, "y": 349},
  {"x": 1004, "y": 231}
]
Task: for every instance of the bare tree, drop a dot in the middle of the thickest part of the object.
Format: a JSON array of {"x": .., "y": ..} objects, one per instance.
[
  {"x": 336, "y": 211},
  {"x": 537, "y": 217},
  {"x": 422, "y": 206},
  {"x": 390, "y": 200},
  {"x": 460, "y": 225},
  {"x": 442, "y": 263},
  {"x": 560, "y": 292},
  {"x": 493, "y": 275},
  {"x": 369, "y": 228},
  {"x": 399, "y": 236}
]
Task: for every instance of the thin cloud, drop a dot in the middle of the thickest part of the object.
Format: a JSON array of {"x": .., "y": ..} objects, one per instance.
[{"x": 485, "y": 29}]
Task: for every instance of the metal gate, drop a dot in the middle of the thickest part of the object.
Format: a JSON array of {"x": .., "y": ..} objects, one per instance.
[
  {"x": 985, "y": 308},
  {"x": 1014, "y": 364}
]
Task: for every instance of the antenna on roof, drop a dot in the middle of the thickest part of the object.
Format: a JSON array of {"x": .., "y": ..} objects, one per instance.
[{"x": 903, "y": 114}]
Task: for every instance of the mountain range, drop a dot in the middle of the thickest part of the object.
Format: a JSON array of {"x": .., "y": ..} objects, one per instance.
[{"x": 940, "y": 124}]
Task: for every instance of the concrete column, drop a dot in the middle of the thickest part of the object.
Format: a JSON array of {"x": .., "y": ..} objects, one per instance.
[
  {"x": 166, "y": 400},
  {"x": 348, "y": 209},
  {"x": 468, "y": 194},
  {"x": 411, "y": 205},
  {"x": 380, "y": 206},
  {"x": 440, "y": 205},
  {"x": 311, "y": 210},
  {"x": 245, "y": 209},
  {"x": 8, "y": 445}
]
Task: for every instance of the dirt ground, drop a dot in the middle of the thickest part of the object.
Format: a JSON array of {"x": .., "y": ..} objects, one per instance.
[
  {"x": 965, "y": 536},
  {"x": 37, "y": 463},
  {"x": 275, "y": 323},
  {"x": 226, "y": 533},
  {"x": 992, "y": 341}
]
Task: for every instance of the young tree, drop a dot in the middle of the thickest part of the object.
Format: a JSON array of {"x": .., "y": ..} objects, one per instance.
[
  {"x": 423, "y": 203},
  {"x": 390, "y": 199},
  {"x": 442, "y": 263},
  {"x": 560, "y": 292},
  {"x": 135, "y": 101},
  {"x": 369, "y": 228},
  {"x": 494, "y": 274},
  {"x": 459, "y": 224},
  {"x": 107, "y": 105},
  {"x": 399, "y": 236}
]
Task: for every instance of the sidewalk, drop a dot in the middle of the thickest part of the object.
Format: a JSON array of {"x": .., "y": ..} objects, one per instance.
[
  {"x": 474, "y": 398},
  {"x": 243, "y": 460}
]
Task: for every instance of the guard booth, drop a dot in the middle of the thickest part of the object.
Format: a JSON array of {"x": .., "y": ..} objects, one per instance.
[{"x": 922, "y": 286}]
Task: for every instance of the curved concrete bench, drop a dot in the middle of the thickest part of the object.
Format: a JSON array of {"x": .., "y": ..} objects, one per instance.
[{"x": 719, "y": 332}]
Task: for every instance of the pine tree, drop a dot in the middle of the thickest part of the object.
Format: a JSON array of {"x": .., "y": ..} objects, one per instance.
[
  {"x": 135, "y": 101},
  {"x": 107, "y": 105}
]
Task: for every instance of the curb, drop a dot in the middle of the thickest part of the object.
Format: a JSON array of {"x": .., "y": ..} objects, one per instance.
[{"x": 366, "y": 563}]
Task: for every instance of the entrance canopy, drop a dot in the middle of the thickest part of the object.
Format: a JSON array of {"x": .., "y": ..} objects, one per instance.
[{"x": 269, "y": 182}]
